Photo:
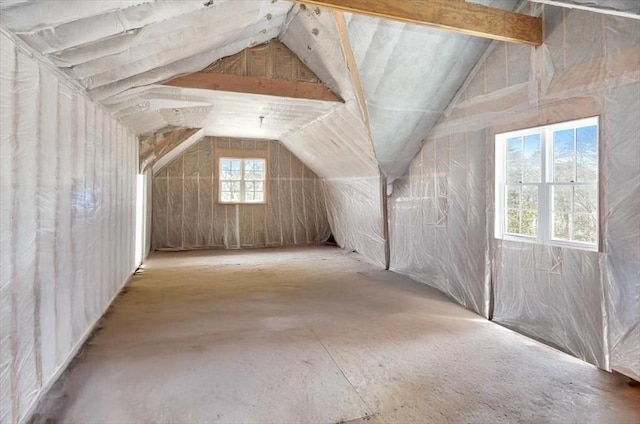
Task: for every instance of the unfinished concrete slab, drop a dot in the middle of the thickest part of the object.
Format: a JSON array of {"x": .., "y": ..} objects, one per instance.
[{"x": 315, "y": 335}]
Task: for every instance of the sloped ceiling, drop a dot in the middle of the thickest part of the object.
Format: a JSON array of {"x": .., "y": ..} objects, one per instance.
[
  {"x": 120, "y": 52},
  {"x": 409, "y": 74}
]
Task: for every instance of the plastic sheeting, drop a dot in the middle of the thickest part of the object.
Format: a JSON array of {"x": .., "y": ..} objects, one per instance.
[
  {"x": 67, "y": 188},
  {"x": 337, "y": 148},
  {"x": 405, "y": 93},
  {"x": 187, "y": 215},
  {"x": 625, "y": 8},
  {"x": 439, "y": 222},
  {"x": 355, "y": 215},
  {"x": 110, "y": 48},
  {"x": 586, "y": 303}
]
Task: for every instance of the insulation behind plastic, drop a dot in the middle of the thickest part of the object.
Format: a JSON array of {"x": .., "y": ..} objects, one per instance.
[
  {"x": 586, "y": 303},
  {"x": 338, "y": 149},
  {"x": 66, "y": 218},
  {"x": 187, "y": 214},
  {"x": 355, "y": 215}
]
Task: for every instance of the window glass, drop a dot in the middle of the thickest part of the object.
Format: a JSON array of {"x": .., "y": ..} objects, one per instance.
[
  {"x": 532, "y": 168},
  {"x": 587, "y": 154},
  {"x": 242, "y": 180},
  {"x": 564, "y": 156},
  {"x": 547, "y": 179}
]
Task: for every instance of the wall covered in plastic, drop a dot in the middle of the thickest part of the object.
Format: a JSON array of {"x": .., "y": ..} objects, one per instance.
[
  {"x": 338, "y": 149},
  {"x": 187, "y": 215},
  {"x": 586, "y": 303},
  {"x": 355, "y": 215},
  {"x": 67, "y": 188}
]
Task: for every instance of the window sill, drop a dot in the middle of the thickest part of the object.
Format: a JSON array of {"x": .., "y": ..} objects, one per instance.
[
  {"x": 242, "y": 203},
  {"x": 552, "y": 243}
]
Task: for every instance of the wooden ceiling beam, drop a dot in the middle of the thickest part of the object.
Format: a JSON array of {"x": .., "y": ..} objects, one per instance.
[
  {"x": 456, "y": 16},
  {"x": 256, "y": 85}
]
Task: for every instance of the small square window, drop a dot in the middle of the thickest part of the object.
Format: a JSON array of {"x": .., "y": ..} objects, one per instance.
[{"x": 242, "y": 180}]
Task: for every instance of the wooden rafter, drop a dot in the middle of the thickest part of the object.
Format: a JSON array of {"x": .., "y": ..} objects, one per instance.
[
  {"x": 456, "y": 16},
  {"x": 355, "y": 77},
  {"x": 255, "y": 85}
]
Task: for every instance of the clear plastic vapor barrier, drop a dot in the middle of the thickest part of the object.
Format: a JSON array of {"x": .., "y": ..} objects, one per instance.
[
  {"x": 584, "y": 302},
  {"x": 187, "y": 204},
  {"x": 67, "y": 189}
]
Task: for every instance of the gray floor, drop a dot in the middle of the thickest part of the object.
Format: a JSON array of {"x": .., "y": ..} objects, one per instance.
[{"x": 315, "y": 335}]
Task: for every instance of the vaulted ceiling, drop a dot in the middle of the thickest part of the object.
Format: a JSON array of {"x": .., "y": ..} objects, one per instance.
[{"x": 122, "y": 52}]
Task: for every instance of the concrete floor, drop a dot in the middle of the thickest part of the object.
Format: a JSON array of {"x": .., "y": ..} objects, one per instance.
[{"x": 316, "y": 336}]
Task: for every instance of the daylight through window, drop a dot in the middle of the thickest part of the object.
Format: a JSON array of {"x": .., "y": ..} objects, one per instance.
[
  {"x": 242, "y": 180},
  {"x": 547, "y": 184}
]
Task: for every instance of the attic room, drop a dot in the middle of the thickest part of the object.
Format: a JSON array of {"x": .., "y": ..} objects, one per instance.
[{"x": 323, "y": 211}]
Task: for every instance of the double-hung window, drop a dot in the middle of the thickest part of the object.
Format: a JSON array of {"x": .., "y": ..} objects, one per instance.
[
  {"x": 242, "y": 180},
  {"x": 547, "y": 184}
]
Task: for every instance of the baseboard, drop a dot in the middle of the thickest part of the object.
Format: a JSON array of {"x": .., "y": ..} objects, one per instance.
[{"x": 74, "y": 352}]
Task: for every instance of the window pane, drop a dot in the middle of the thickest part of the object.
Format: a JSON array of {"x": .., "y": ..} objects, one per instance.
[
  {"x": 258, "y": 197},
  {"x": 230, "y": 169},
  {"x": 254, "y": 169},
  {"x": 248, "y": 169},
  {"x": 259, "y": 186},
  {"x": 529, "y": 203},
  {"x": 514, "y": 160},
  {"x": 587, "y": 151},
  {"x": 585, "y": 199},
  {"x": 514, "y": 149},
  {"x": 225, "y": 196},
  {"x": 561, "y": 226},
  {"x": 513, "y": 197},
  {"x": 514, "y": 172},
  {"x": 563, "y": 156},
  {"x": 532, "y": 157},
  {"x": 513, "y": 221},
  {"x": 249, "y": 186},
  {"x": 584, "y": 228},
  {"x": 249, "y": 196},
  {"x": 529, "y": 199},
  {"x": 562, "y": 198},
  {"x": 529, "y": 223}
]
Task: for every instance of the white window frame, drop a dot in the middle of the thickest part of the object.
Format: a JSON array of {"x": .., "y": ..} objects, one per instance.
[
  {"x": 545, "y": 201},
  {"x": 242, "y": 181}
]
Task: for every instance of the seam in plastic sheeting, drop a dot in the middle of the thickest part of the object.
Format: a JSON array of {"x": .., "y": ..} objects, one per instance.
[
  {"x": 67, "y": 188},
  {"x": 585, "y": 303}
]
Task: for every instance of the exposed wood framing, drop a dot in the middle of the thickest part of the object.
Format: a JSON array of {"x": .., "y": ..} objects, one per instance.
[
  {"x": 353, "y": 70},
  {"x": 355, "y": 77},
  {"x": 456, "y": 16},
  {"x": 255, "y": 85},
  {"x": 270, "y": 60},
  {"x": 155, "y": 147}
]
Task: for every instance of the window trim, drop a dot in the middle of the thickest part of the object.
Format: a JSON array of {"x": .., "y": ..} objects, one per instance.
[
  {"x": 242, "y": 181},
  {"x": 545, "y": 201}
]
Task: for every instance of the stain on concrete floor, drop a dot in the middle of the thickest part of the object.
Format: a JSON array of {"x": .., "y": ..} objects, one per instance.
[{"x": 315, "y": 335}]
